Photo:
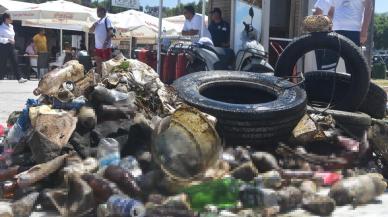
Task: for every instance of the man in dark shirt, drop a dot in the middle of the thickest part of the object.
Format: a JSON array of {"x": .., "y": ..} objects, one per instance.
[{"x": 219, "y": 29}]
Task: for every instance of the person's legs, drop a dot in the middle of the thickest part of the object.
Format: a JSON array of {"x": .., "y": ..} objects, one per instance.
[
  {"x": 326, "y": 59},
  {"x": 107, "y": 54},
  {"x": 352, "y": 35},
  {"x": 102, "y": 55},
  {"x": 14, "y": 62},
  {"x": 3, "y": 61}
]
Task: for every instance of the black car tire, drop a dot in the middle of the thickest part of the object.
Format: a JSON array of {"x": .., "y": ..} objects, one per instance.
[
  {"x": 355, "y": 62},
  {"x": 242, "y": 122},
  {"x": 319, "y": 87}
]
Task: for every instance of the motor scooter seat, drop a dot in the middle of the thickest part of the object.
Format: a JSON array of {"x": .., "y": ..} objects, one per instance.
[{"x": 225, "y": 55}]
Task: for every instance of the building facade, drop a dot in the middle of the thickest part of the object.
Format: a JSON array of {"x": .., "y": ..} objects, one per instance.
[{"x": 285, "y": 16}]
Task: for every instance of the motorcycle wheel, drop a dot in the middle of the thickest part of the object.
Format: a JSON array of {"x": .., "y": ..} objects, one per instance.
[{"x": 196, "y": 66}]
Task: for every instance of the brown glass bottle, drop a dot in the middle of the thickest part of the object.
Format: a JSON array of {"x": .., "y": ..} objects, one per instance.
[
  {"x": 124, "y": 180},
  {"x": 10, "y": 172},
  {"x": 102, "y": 190},
  {"x": 8, "y": 189}
]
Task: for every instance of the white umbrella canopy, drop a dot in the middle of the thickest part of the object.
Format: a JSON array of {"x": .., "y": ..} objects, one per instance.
[
  {"x": 56, "y": 12},
  {"x": 6, "y": 5},
  {"x": 138, "y": 32},
  {"x": 32, "y": 23},
  {"x": 140, "y": 24}
]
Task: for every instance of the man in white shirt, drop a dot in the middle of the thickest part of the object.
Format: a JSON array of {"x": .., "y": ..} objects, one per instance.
[
  {"x": 351, "y": 18},
  {"x": 322, "y": 7},
  {"x": 193, "y": 24},
  {"x": 103, "y": 33}
]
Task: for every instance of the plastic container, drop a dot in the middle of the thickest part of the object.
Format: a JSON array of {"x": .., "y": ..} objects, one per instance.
[
  {"x": 131, "y": 165},
  {"x": 19, "y": 129},
  {"x": 108, "y": 152},
  {"x": 75, "y": 104},
  {"x": 121, "y": 206},
  {"x": 107, "y": 96},
  {"x": 253, "y": 196},
  {"x": 15, "y": 134}
]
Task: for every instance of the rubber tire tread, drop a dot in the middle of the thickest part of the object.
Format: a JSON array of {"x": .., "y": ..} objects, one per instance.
[
  {"x": 354, "y": 60},
  {"x": 255, "y": 124},
  {"x": 319, "y": 84},
  {"x": 291, "y": 99}
]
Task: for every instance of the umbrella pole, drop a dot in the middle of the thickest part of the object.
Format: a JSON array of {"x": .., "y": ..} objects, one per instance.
[
  {"x": 87, "y": 40},
  {"x": 159, "y": 58},
  {"x": 61, "y": 40},
  {"x": 203, "y": 17}
]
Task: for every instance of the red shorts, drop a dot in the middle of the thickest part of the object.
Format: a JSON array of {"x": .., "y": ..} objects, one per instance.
[{"x": 104, "y": 54}]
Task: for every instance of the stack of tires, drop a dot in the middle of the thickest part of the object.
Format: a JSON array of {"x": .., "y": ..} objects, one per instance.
[
  {"x": 251, "y": 108},
  {"x": 351, "y": 91}
]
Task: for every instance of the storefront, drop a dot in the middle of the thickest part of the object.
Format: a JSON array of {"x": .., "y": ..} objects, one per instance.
[
  {"x": 284, "y": 16},
  {"x": 276, "y": 20}
]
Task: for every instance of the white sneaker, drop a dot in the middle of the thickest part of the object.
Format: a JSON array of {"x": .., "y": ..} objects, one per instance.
[{"x": 22, "y": 80}]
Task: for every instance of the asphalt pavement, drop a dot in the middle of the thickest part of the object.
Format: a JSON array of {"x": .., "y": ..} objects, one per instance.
[{"x": 13, "y": 96}]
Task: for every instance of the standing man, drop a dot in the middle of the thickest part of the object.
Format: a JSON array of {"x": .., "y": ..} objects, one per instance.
[
  {"x": 40, "y": 42},
  {"x": 351, "y": 18},
  {"x": 322, "y": 7},
  {"x": 193, "y": 24},
  {"x": 103, "y": 33},
  {"x": 219, "y": 29}
]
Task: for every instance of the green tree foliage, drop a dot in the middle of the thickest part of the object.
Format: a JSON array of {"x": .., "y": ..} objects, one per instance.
[
  {"x": 178, "y": 10},
  {"x": 381, "y": 31}
]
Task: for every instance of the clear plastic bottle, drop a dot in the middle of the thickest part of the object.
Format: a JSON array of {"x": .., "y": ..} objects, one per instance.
[
  {"x": 130, "y": 164},
  {"x": 15, "y": 134},
  {"x": 108, "y": 152},
  {"x": 19, "y": 129},
  {"x": 122, "y": 206}
]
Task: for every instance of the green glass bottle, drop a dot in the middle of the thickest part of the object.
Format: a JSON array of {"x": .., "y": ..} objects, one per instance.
[{"x": 223, "y": 193}]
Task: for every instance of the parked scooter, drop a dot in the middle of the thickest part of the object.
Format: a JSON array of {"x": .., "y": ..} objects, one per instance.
[{"x": 252, "y": 57}]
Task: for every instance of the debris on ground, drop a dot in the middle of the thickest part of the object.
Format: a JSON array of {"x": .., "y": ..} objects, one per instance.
[
  {"x": 358, "y": 190},
  {"x": 124, "y": 144},
  {"x": 318, "y": 204}
]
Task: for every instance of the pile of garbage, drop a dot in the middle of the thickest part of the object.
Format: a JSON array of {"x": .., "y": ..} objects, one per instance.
[{"x": 123, "y": 144}]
